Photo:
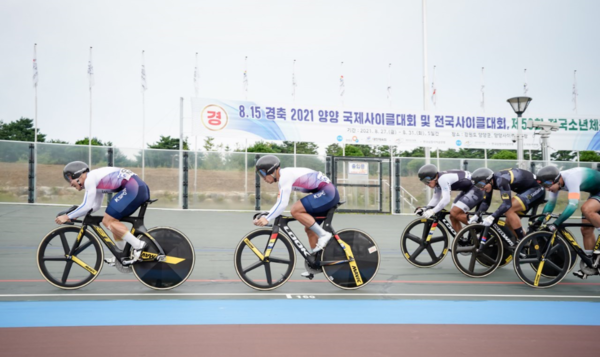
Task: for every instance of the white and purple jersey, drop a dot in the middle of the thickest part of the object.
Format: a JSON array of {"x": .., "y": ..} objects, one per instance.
[
  {"x": 296, "y": 179},
  {"x": 97, "y": 183}
]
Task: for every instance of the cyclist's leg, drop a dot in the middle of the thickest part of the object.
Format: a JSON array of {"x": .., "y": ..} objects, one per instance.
[
  {"x": 521, "y": 203},
  {"x": 590, "y": 210},
  {"x": 319, "y": 202},
  {"x": 463, "y": 204},
  {"x": 134, "y": 194}
]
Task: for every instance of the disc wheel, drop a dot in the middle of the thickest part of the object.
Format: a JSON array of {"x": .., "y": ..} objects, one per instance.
[
  {"x": 470, "y": 258},
  {"x": 175, "y": 269},
  {"x": 63, "y": 269},
  {"x": 417, "y": 249},
  {"x": 265, "y": 274},
  {"x": 536, "y": 248},
  {"x": 365, "y": 253}
]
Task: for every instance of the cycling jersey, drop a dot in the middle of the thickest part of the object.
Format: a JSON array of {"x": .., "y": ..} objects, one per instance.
[
  {"x": 451, "y": 180},
  {"x": 298, "y": 179},
  {"x": 576, "y": 180},
  {"x": 520, "y": 181},
  {"x": 97, "y": 183}
]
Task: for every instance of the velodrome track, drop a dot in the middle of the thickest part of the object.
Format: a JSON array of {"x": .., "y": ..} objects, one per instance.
[{"x": 416, "y": 310}]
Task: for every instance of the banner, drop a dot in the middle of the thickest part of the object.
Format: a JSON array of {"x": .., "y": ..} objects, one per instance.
[{"x": 443, "y": 130}]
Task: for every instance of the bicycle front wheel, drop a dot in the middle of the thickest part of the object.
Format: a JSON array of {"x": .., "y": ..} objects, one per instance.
[
  {"x": 472, "y": 259},
  {"x": 63, "y": 269},
  {"x": 418, "y": 249},
  {"x": 262, "y": 273},
  {"x": 177, "y": 265},
  {"x": 366, "y": 256},
  {"x": 541, "y": 263}
]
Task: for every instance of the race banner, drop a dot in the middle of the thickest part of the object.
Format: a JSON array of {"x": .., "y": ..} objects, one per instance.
[{"x": 443, "y": 130}]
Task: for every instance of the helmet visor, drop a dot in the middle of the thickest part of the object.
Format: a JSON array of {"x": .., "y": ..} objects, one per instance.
[
  {"x": 480, "y": 184},
  {"x": 262, "y": 173},
  {"x": 427, "y": 179},
  {"x": 547, "y": 183}
]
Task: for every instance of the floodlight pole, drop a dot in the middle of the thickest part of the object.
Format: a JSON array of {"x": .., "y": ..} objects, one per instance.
[{"x": 519, "y": 105}]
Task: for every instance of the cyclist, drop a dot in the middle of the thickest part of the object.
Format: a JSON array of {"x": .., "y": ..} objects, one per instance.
[
  {"x": 323, "y": 196},
  {"x": 443, "y": 182},
  {"x": 574, "y": 181},
  {"x": 522, "y": 182},
  {"x": 133, "y": 192}
]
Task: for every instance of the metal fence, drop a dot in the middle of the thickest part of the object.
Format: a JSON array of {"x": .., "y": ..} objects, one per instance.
[{"x": 207, "y": 180}]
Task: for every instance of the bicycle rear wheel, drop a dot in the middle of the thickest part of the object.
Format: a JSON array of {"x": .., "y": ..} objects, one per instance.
[
  {"x": 548, "y": 271},
  {"x": 470, "y": 258},
  {"x": 532, "y": 251},
  {"x": 267, "y": 274},
  {"x": 366, "y": 256},
  {"x": 65, "y": 271},
  {"x": 177, "y": 266},
  {"x": 415, "y": 247}
]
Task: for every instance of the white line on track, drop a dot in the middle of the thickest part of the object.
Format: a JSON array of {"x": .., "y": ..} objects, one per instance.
[{"x": 594, "y": 297}]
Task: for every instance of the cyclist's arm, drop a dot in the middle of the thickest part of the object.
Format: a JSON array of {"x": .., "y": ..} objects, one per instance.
[
  {"x": 505, "y": 194},
  {"x": 445, "y": 193},
  {"x": 281, "y": 204},
  {"x": 549, "y": 207},
  {"x": 485, "y": 204},
  {"x": 573, "y": 186},
  {"x": 437, "y": 194},
  {"x": 88, "y": 202}
]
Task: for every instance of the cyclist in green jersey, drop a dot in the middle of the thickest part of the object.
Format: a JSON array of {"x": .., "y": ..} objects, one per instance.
[{"x": 574, "y": 181}]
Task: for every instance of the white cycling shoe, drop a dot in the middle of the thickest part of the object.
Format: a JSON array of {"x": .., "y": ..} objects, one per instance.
[{"x": 322, "y": 242}]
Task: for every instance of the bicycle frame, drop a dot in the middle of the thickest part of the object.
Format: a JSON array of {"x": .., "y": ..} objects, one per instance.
[
  {"x": 281, "y": 222},
  {"x": 137, "y": 226}
]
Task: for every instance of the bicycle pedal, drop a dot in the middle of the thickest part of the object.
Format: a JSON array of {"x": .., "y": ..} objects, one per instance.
[{"x": 161, "y": 258}]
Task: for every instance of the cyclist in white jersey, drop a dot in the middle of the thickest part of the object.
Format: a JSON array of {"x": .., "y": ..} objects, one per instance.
[
  {"x": 132, "y": 193},
  {"x": 323, "y": 196}
]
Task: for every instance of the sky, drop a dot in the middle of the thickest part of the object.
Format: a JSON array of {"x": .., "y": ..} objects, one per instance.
[{"x": 549, "y": 38}]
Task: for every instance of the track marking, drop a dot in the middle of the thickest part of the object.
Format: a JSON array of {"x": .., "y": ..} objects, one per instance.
[{"x": 151, "y": 294}]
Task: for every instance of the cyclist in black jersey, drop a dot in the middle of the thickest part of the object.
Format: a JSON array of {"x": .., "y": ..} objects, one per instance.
[
  {"x": 520, "y": 181},
  {"x": 442, "y": 183}
]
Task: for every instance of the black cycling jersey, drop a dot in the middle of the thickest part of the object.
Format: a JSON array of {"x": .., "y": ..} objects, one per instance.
[{"x": 516, "y": 180}]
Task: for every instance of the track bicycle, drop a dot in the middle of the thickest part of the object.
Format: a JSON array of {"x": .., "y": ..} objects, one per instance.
[
  {"x": 71, "y": 256},
  {"x": 478, "y": 251},
  {"x": 350, "y": 261},
  {"x": 542, "y": 258}
]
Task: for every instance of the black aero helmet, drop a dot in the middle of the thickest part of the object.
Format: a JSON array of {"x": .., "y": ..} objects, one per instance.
[
  {"x": 74, "y": 169},
  {"x": 267, "y": 165},
  {"x": 548, "y": 175},
  {"x": 482, "y": 176},
  {"x": 427, "y": 173}
]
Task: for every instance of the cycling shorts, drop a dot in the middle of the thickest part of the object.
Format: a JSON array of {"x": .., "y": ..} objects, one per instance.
[
  {"x": 469, "y": 199},
  {"x": 321, "y": 201},
  {"x": 530, "y": 196},
  {"x": 134, "y": 193}
]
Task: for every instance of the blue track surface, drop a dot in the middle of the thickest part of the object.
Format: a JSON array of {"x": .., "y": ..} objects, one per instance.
[{"x": 208, "y": 312}]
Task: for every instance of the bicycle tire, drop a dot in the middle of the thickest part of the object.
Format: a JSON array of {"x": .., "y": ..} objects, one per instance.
[
  {"x": 58, "y": 270},
  {"x": 246, "y": 261},
  {"x": 469, "y": 258},
  {"x": 366, "y": 255},
  {"x": 168, "y": 274},
  {"x": 546, "y": 271},
  {"x": 528, "y": 256},
  {"x": 413, "y": 245}
]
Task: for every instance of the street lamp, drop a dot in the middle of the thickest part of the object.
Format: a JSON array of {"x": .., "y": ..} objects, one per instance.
[{"x": 519, "y": 105}]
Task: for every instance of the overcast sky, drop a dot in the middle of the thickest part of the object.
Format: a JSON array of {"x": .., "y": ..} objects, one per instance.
[{"x": 550, "y": 38}]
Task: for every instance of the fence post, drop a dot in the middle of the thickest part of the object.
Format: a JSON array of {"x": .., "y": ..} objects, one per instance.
[
  {"x": 466, "y": 165},
  {"x": 532, "y": 165},
  {"x": 31, "y": 193},
  {"x": 397, "y": 186},
  {"x": 111, "y": 162},
  {"x": 328, "y": 168},
  {"x": 598, "y": 167},
  {"x": 185, "y": 180},
  {"x": 257, "y": 185}
]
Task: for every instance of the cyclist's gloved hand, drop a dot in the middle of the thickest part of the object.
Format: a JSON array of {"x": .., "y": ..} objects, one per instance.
[
  {"x": 474, "y": 219},
  {"x": 419, "y": 211},
  {"x": 551, "y": 227},
  {"x": 488, "y": 221},
  {"x": 428, "y": 213}
]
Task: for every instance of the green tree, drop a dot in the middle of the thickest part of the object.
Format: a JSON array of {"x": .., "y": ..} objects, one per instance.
[
  {"x": 209, "y": 144},
  {"x": 287, "y": 147},
  {"x": 95, "y": 142},
  {"x": 563, "y": 155},
  {"x": 58, "y": 141},
  {"x": 505, "y": 155},
  {"x": 20, "y": 130},
  {"x": 167, "y": 143},
  {"x": 589, "y": 156},
  {"x": 261, "y": 146}
]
